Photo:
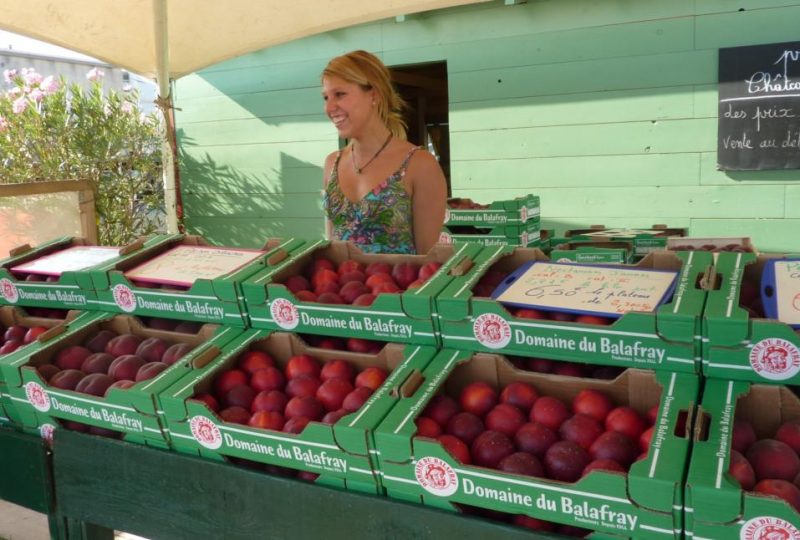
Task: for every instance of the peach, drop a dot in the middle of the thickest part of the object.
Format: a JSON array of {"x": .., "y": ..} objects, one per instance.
[
  {"x": 331, "y": 287},
  {"x": 456, "y": 448},
  {"x": 123, "y": 344},
  {"x": 296, "y": 424},
  {"x": 645, "y": 438},
  {"x": 270, "y": 378},
  {"x": 353, "y": 275},
  {"x": 652, "y": 414},
  {"x": 152, "y": 349},
  {"x": 378, "y": 268},
  {"x": 535, "y": 438},
  {"x": 97, "y": 363},
  {"x": 582, "y": 429},
  {"x": 521, "y": 395},
  {"x": 521, "y": 463},
  {"x": 352, "y": 290},
  {"x": 742, "y": 435},
  {"x": 330, "y": 298},
  {"x": 773, "y": 459},
  {"x": 33, "y": 333},
  {"x": 322, "y": 262},
  {"x": 332, "y": 392},
  {"x": 241, "y": 395},
  {"x": 603, "y": 465},
  {"x": 625, "y": 420},
  {"x": 10, "y": 346},
  {"x": 308, "y": 407},
  {"x": 228, "y": 379},
  {"x": 306, "y": 296},
  {"x": 364, "y": 300},
  {"x": 782, "y": 489},
  {"x": 356, "y": 399},
  {"x": 95, "y": 384},
  {"x": 592, "y": 402},
  {"x": 789, "y": 433},
  {"x": 372, "y": 378},
  {"x": 373, "y": 280},
  {"x": 441, "y": 408},
  {"x": 123, "y": 385},
  {"x": 267, "y": 420},
  {"x": 550, "y": 412},
  {"x": 235, "y": 415},
  {"x": 387, "y": 287},
  {"x": 742, "y": 471},
  {"x": 323, "y": 277},
  {"x": 505, "y": 418},
  {"x": 66, "y": 379},
  {"x": 72, "y": 357},
  {"x": 187, "y": 327},
  {"x": 427, "y": 427},
  {"x": 428, "y": 269},
  {"x": 150, "y": 370},
  {"x": 301, "y": 364},
  {"x": 349, "y": 265},
  {"x": 210, "y": 401},
  {"x": 331, "y": 417},
  {"x": 490, "y": 447},
  {"x": 302, "y": 385},
  {"x": 175, "y": 352},
  {"x": 337, "y": 369},
  {"x": 615, "y": 446},
  {"x": 565, "y": 461},
  {"x": 478, "y": 398},
  {"x": 269, "y": 400},
  {"x": 297, "y": 284},
  {"x": 466, "y": 426},
  {"x": 404, "y": 273},
  {"x": 16, "y": 332},
  {"x": 125, "y": 367},
  {"x": 46, "y": 371}
]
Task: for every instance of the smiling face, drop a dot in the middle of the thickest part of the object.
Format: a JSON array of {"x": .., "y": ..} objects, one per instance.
[{"x": 348, "y": 106}]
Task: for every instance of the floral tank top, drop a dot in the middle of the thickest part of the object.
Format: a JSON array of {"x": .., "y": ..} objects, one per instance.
[{"x": 378, "y": 223}]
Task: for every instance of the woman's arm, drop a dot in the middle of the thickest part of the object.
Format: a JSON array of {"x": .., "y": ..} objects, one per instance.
[
  {"x": 429, "y": 198},
  {"x": 326, "y": 175}
]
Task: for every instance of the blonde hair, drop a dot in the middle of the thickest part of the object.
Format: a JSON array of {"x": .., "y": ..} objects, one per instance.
[{"x": 366, "y": 70}]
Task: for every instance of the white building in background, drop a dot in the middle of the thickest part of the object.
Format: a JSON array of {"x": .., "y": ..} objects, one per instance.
[{"x": 18, "y": 52}]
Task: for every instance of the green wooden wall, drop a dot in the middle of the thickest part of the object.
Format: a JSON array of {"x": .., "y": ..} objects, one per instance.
[{"x": 604, "y": 108}]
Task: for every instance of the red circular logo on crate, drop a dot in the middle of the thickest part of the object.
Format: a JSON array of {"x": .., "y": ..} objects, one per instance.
[
  {"x": 124, "y": 298},
  {"x": 46, "y": 432},
  {"x": 9, "y": 290},
  {"x": 775, "y": 359},
  {"x": 446, "y": 215},
  {"x": 436, "y": 476},
  {"x": 523, "y": 214},
  {"x": 768, "y": 528},
  {"x": 492, "y": 331},
  {"x": 445, "y": 238},
  {"x": 524, "y": 238},
  {"x": 284, "y": 313},
  {"x": 37, "y": 396},
  {"x": 205, "y": 432}
]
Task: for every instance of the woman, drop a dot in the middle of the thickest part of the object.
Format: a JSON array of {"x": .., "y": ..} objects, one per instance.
[{"x": 381, "y": 192}]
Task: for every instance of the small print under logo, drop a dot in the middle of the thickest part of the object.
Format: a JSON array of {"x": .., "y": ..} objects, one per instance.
[
  {"x": 46, "y": 432},
  {"x": 492, "y": 331},
  {"x": 37, "y": 396},
  {"x": 9, "y": 290},
  {"x": 436, "y": 476},
  {"x": 775, "y": 359},
  {"x": 205, "y": 432},
  {"x": 124, "y": 298},
  {"x": 768, "y": 528},
  {"x": 284, "y": 313},
  {"x": 445, "y": 238}
]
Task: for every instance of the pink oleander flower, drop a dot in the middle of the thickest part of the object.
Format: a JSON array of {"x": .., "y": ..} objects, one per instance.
[
  {"x": 50, "y": 85},
  {"x": 3, "y": 124},
  {"x": 126, "y": 107},
  {"x": 14, "y": 92},
  {"x": 9, "y": 74},
  {"x": 32, "y": 78},
  {"x": 19, "y": 105},
  {"x": 95, "y": 75},
  {"x": 36, "y": 95}
]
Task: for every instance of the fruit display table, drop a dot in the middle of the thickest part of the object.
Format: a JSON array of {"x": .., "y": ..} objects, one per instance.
[{"x": 161, "y": 494}]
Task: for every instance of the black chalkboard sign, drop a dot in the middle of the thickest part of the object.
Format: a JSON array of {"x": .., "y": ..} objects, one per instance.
[{"x": 759, "y": 107}]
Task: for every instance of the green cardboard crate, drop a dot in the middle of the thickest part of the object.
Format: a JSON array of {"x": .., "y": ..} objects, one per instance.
[
  {"x": 737, "y": 345},
  {"x": 72, "y": 290},
  {"x": 716, "y": 506},
  {"x": 217, "y": 301},
  {"x": 406, "y": 317},
  {"x": 130, "y": 411},
  {"x": 665, "y": 339},
  {"x": 524, "y": 235},
  {"x": 645, "y": 503},
  {"x": 514, "y": 211},
  {"x": 644, "y": 240},
  {"x": 594, "y": 253},
  {"x": 340, "y": 453}
]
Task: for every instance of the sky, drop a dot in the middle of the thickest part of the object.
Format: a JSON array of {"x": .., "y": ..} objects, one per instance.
[{"x": 19, "y": 43}]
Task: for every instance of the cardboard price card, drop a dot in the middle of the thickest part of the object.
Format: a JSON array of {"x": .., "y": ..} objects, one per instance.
[
  {"x": 780, "y": 291},
  {"x": 623, "y": 232},
  {"x": 582, "y": 288},
  {"x": 70, "y": 259},
  {"x": 183, "y": 265}
]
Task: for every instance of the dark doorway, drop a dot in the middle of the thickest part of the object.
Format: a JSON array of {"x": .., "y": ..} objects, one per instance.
[{"x": 424, "y": 88}]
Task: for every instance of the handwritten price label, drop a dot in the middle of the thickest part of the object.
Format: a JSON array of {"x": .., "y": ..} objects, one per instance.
[
  {"x": 787, "y": 291},
  {"x": 183, "y": 265},
  {"x": 70, "y": 259},
  {"x": 586, "y": 288}
]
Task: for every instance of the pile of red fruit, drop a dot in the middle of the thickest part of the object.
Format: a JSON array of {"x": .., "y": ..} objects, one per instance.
[
  {"x": 458, "y": 203},
  {"x": 356, "y": 283},
  {"x": 17, "y": 335},
  {"x": 519, "y": 431},
  {"x": 521, "y": 520},
  {"x": 47, "y": 313},
  {"x": 357, "y": 345},
  {"x": 172, "y": 325},
  {"x": 567, "y": 369},
  {"x": 767, "y": 466},
  {"x": 109, "y": 360},
  {"x": 164, "y": 286},
  {"x": 260, "y": 393}
]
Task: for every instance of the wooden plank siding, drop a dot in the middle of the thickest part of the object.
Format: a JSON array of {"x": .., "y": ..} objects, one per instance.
[{"x": 607, "y": 110}]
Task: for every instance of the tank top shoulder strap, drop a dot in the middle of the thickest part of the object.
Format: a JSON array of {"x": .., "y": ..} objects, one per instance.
[
  {"x": 403, "y": 166},
  {"x": 335, "y": 170}
]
